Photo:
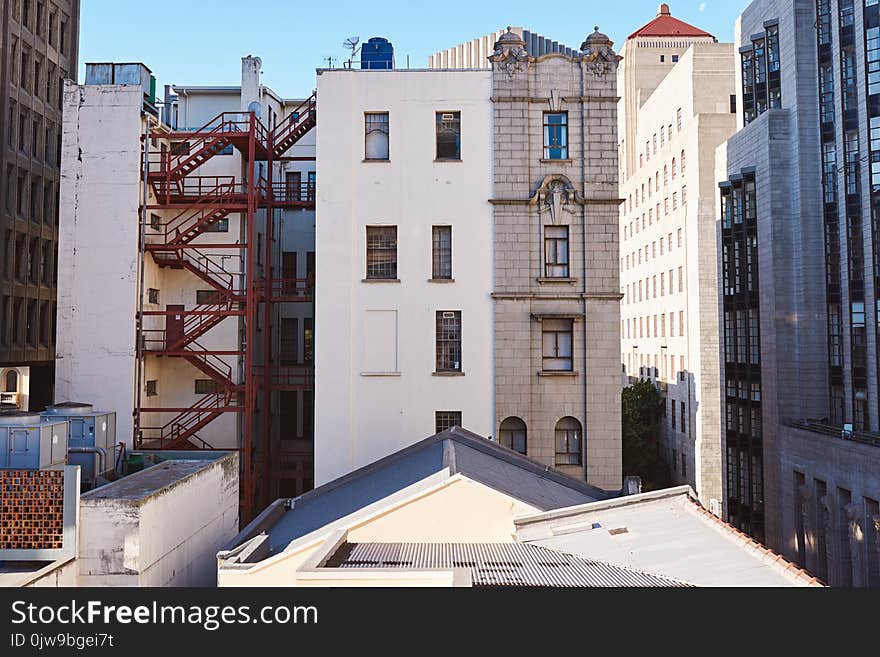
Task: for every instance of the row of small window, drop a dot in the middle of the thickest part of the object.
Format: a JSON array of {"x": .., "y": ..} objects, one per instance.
[
  {"x": 381, "y": 256},
  {"x": 28, "y": 196},
  {"x": 664, "y": 132},
  {"x": 647, "y": 218},
  {"x": 447, "y": 136},
  {"x": 26, "y": 323},
  {"x": 28, "y": 260},
  {"x": 36, "y": 77},
  {"x": 568, "y": 439},
  {"x": 647, "y": 190},
  {"x": 632, "y": 330},
  {"x": 34, "y": 139},
  {"x": 742, "y": 337},
  {"x": 744, "y": 419},
  {"x": 635, "y": 258},
  {"x": 633, "y": 291},
  {"x": 658, "y": 370},
  {"x": 50, "y": 25}
]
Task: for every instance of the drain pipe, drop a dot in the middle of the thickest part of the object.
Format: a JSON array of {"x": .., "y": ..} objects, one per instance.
[
  {"x": 584, "y": 264},
  {"x": 100, "y": 456}
]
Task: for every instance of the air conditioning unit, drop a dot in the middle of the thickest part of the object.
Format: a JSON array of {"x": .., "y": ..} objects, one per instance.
[
  {"x": 448, "y": 315},
  {"x": 447, "y": 117},
  {"x": 9, "y": 400}
]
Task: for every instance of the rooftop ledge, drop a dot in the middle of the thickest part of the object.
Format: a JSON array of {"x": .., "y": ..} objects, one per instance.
[{"x": 836, "y": 431}]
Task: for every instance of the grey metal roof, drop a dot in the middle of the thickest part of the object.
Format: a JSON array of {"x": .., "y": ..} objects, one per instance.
[
  {"x": 457, "y": 450},
  {"x": 666, "y": 532},
  {"x": 496, "y": 564}
]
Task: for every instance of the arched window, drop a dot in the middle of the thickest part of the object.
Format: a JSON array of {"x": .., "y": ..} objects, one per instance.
[
  {"x": 12, "y": 381},
  {"x": 513, "y": 435},
  {"x": 673, "y": 168},
  {"x": 665, "y": 175},
  {"x": 682, "y": 162},
  {"x": 568, "y": 441}
]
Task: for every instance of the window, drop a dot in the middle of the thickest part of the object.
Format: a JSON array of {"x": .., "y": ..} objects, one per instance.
[
  {"x": 555, "y": 135},
  {"x": 512, "y": 435},
  {"x": 308, "y": 340},
  {"x": 376, "y": 131},
  {"x": 288, "y": 402},
  {"x": 568, "y": 441},
  {"x": 153, "y": 296},
  {"x": 662, "y": 59},
  {"x": 556, "y": 252},
  {"x": 441, "y": 256},
  {"x": 557, "y": 345},
  {"x": 448, "y": 135},
  {"x": 444, "y": 420},
  {"x": 381, "y": 252},
  {"x": 678, "y": 120},
  {"x": 682, "y": 410},
  {"x": 675, "y": 59},
  {"x": 206, "y": 297},
  {"x": 680, "y": 279},
  {"x": 219, "y": 226},
  {"x": 289, "y": 340},
  {"x": 152, "y": 388},
  {"x": 205, "y": 386},
  {"x": 12, "y": 381},
  {"x": 448, "y": 344}
]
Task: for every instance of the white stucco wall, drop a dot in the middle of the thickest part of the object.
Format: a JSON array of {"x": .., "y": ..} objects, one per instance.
[
  {"x": 164, "y": 537},
  {"x": 98, "y": 248},
  {"x": 362, "y": 418}
]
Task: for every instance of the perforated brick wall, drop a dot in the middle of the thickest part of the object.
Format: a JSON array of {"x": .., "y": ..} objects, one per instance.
[{"x": 31, "y": 509}]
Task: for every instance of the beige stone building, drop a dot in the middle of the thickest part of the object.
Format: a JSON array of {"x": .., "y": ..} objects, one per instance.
[
  {"x": 557, "y": 389},
  {"x": 668, "y": 256}
]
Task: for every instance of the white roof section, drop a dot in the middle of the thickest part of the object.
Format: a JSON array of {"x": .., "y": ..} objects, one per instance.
[{"x": 667, "y": 533}]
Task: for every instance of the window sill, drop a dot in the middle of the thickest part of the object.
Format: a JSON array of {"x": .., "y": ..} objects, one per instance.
[
  {"x": 543, "y": 280},
  {"x": 448, "y": 159},
  {"x": 376, "y": 161},
  {"x": 566, "y": 160},
  {"x": 382, "y": 374},
  {"x": 381, "y": 281},
  {"x": 441, "y": 281},
  {"x": 447, "y": 374},
  {"x": 570, "y": 375}
]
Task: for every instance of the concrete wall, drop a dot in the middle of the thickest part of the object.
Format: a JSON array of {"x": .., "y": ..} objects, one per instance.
[
  {"x": 362, "y": 416},
  {"x": 98, "y": 248},
  {"x": 164, "y": 537}
]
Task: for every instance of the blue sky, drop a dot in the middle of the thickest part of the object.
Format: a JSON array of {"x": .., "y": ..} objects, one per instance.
[{"x": 202, "y": 41}]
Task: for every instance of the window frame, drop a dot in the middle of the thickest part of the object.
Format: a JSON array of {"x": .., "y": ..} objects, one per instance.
[
  {"x": 549, "y": 330},
  {"x": 383, "y": 245},
  {"x": 557, "y": 243},
  {"x": 439, "y": 129},
  {"x": 368, "y": 130},
  {"x": 551, "y": 140},
  {"x": 448, "y": 342}
]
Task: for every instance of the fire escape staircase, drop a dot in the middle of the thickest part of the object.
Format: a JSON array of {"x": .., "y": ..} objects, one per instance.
[{"x": 295, "y": 126}]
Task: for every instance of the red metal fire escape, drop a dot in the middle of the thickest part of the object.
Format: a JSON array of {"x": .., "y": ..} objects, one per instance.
[{"x": 196, "y": 203}]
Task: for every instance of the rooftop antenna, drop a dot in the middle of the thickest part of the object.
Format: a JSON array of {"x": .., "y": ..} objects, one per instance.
[
  {"x": 330, "y": 62},
  {"x": 352, "y": 44}
]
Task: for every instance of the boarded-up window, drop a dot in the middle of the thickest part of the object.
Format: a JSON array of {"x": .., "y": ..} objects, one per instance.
[{"x": 380, "y": 341}]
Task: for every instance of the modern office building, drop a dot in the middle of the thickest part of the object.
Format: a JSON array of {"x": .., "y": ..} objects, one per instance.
[
  {"x": 468, "y": 274},
  {"x": 685, "y": 107},
  {"x": 38, "y": 51},
  {"x": 798, "y": 215}
]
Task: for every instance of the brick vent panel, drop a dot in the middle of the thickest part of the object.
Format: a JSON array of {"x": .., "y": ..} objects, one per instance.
[{"x": 31, "y": 509}]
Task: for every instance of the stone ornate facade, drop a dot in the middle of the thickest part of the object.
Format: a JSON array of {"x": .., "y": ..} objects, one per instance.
[{"x": 574, "y": 187}]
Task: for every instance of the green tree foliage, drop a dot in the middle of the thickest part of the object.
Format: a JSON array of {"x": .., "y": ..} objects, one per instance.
[{"x": 642, "y": 406}]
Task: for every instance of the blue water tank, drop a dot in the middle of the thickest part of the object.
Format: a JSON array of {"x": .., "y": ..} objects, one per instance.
[{"x": 377, "y": 53}]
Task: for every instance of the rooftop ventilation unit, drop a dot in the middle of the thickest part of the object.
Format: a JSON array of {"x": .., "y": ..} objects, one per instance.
[
  {"x": 92, "y": 442},
  {"x": 27, "y": 442}
]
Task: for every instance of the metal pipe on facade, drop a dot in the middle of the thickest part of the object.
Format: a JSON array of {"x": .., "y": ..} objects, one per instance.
[
  {"x": 139, "y": 322},
  {"x": 584, "y": 265}
]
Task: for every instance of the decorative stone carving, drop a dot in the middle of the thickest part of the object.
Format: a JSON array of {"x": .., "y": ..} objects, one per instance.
[
  {"x": 598, "y": 54},
  {"x": 510, "y": 54},
  {"x": 554, "y": 196}
]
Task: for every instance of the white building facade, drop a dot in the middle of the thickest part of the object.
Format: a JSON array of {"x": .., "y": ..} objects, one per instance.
[{"x": 403, "y": 306}]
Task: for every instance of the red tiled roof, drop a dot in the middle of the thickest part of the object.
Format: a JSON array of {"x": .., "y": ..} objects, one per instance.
[{"x": 665, "y": 25}]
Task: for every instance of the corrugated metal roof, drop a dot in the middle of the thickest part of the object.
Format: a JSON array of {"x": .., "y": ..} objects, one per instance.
[{"x": 496, "y": 564}]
